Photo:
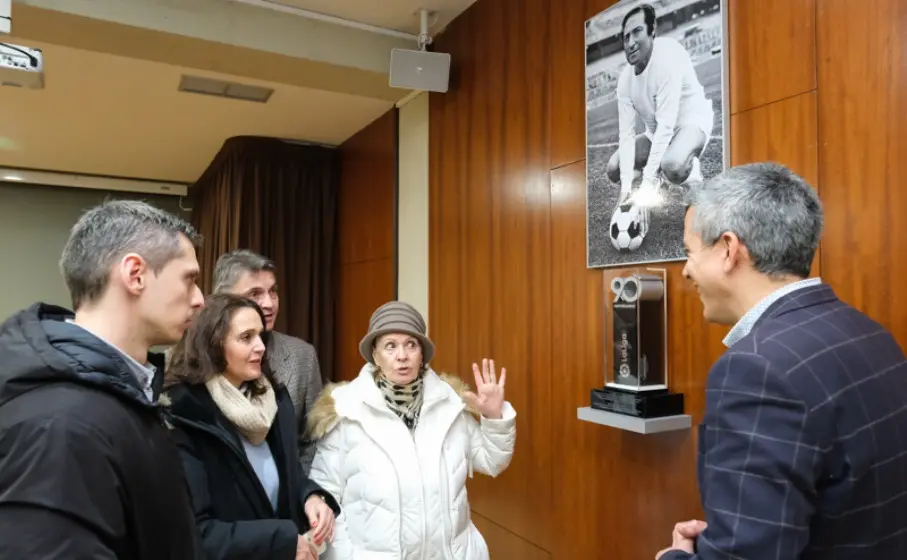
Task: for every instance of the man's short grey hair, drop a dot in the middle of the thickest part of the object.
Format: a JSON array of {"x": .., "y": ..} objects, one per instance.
[
  {"x": 230, "y": 266},
  {"x": 774, "y": 212},
  {"x": 110, "y": 231}
]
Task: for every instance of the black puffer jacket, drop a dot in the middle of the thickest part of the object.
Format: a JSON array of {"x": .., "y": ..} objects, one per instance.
[
  {"x": 235, "y": 516},
  {"x": 87, "y": 468}
]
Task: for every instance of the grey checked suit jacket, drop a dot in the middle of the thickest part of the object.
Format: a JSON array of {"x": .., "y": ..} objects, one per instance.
[
  {"x": 294, "y": 364},
  {"x": 803, "y": 448}
]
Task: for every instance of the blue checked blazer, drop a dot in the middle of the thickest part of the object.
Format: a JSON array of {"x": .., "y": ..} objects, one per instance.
[{"x": 803, "y": 448}]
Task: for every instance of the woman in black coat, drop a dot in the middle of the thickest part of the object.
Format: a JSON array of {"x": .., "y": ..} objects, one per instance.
[{"x": 236, "y": 431}]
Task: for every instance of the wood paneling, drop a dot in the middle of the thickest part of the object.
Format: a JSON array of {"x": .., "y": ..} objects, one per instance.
[
  {"x": 567, "y": 82},
  {"x": 772, "y": 50},
  {"x": 489, "y": 254},
  {"x": 368, "y": 182},
  {"x": 366, "y": 235},
  {"x": 863, "y": 154},
  {"x": 785, "y": 132},
  {"x": 507, "y": 260},
  {"x": 629, "y": 487},
  {"x": 500, "y": 539},
  {"x": 363, "y": 286}
]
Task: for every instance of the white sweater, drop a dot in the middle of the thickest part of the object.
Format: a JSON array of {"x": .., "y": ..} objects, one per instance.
[{"x": 665, "y": 96}]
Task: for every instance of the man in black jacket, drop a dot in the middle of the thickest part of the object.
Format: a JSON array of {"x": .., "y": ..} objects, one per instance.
[{"x": 87, "y": 469}]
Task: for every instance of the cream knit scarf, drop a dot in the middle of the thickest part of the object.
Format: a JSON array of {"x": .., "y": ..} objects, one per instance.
[{"x": 252, "y": 416}]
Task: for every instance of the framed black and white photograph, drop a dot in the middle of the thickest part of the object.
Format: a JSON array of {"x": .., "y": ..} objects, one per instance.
[{"x": 656, "y": 96}]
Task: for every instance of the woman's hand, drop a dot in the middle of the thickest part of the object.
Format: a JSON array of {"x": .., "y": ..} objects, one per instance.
[
  {"x": 321, "y": 516},
  {"x": 305, "y": 550},
  {"x": 489, "y": 396}
]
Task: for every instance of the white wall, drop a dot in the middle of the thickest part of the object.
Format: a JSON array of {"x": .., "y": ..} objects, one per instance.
[
  {"x": 412, "y": 222},
  {"x": 34, "y": 225}
]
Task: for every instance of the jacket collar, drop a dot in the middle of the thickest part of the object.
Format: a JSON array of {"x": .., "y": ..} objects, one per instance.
[
  {"x": 38, "y": 346},
  {"x": 798, "y": 299},
  {"x": 194, "y": 403},
  {"x": 364, "y": 391},
  {"x": 361, "y": 401},
  {"x": 751, "y": 317}
]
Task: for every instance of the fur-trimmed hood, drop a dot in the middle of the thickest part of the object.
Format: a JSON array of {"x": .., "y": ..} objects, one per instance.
[{"x": 323, "y": 416}]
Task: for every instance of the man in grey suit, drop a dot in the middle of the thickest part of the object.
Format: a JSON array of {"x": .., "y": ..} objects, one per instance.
[{"x": 292, "y": 360}]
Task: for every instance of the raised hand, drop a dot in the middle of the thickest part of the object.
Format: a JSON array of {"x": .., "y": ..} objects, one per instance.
[{"x": 488, "y": 398}]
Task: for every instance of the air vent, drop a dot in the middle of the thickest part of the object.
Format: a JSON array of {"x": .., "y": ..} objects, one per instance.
[{"x": 221, "y": 88}]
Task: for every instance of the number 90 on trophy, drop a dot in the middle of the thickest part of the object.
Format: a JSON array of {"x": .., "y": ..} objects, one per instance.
[{"x": 636, "y": 353}]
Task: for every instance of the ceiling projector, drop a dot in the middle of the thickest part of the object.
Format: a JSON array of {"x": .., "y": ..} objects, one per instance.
[{"x": 21, "y": 66}]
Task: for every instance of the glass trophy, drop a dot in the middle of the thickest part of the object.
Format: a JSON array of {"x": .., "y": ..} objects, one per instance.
[{"x": 636, "y": 384}]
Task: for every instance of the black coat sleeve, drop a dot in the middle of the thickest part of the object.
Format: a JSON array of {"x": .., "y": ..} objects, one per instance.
[
  {"x": 264, "y": 539},
  {"x": 60, "y": 492},
  {"x": 309, "y": 487}
]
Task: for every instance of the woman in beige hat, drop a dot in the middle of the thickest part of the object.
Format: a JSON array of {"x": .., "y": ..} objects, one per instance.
[{"x": 396, "y": 444}]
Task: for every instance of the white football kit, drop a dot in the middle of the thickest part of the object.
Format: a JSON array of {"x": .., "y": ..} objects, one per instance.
[{"x": 665, "y": 96}]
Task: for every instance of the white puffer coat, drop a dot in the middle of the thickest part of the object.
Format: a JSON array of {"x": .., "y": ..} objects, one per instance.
[{"x": 403, "y": 496}]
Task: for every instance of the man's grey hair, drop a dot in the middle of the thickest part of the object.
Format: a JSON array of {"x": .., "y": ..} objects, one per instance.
[
  {"x": 774, "y": 212},
  {"x": 110, "y": 231},
  {"x": 230, "y": 266}
]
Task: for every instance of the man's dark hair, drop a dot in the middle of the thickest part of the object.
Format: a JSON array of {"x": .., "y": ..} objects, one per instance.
[
  {"x": 199, "y": 356},
  {"x": 648, "y": 14},
  {"x": 230, "y": 266},
  {"x": 110, "y": 231}
]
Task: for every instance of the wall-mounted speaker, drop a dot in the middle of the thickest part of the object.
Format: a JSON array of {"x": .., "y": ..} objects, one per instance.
[{"x": 420, "y": 70}]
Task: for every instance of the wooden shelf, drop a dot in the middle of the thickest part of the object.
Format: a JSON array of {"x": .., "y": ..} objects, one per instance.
[{"x": 634, "y": 424}]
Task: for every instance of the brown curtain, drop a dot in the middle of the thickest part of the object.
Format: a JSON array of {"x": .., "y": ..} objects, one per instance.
[{"x": 279, "y": 199}]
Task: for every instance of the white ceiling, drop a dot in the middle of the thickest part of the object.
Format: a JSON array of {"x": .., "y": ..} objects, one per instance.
[
  {"x": 110, "y": 115},
  {"x": 392, "y": 14}
]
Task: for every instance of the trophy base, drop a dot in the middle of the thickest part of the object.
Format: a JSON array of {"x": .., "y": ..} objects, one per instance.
[
  {"x": 636, "y": 388},
  {"x": 649, "y": 404}
]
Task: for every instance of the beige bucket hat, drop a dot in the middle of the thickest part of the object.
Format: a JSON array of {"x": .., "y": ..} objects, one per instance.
[{"x": 396, "y": 317}]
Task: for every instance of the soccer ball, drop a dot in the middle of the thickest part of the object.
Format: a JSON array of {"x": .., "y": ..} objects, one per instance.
[{"x": 629, "y": 225}]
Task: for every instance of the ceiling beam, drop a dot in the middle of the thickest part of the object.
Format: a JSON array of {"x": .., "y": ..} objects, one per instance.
[{"x": 218, "y": 36}]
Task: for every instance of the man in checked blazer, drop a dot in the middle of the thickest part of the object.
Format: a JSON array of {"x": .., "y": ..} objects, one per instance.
[
  {"x": 292, "y": 360},
  {"x": 803, "y": 447}
]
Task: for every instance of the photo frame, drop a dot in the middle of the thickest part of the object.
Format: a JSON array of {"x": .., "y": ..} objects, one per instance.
[{"x": 677, "y": 68}]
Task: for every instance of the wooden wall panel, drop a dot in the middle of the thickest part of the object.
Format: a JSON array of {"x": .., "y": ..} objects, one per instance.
[
  {"x": 489, "y": 242},
  {"x": 863, "y": 154},
  {"x": 368, "y": 182},
  {"x": 567, "y": 117},
  {"x": 772, "y": 50},
  {"x": 625, "y": 488},
  {"x": 503, "y": 543},
  {"x": 785, "y": 132},
  {"x": 578, "y": 490},
  {"x": 366, "y": 236},
  {"x": 363, "y": 286}
]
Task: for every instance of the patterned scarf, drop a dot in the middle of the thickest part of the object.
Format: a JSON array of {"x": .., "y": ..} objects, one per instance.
[{"x": 404, "y": 400}]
